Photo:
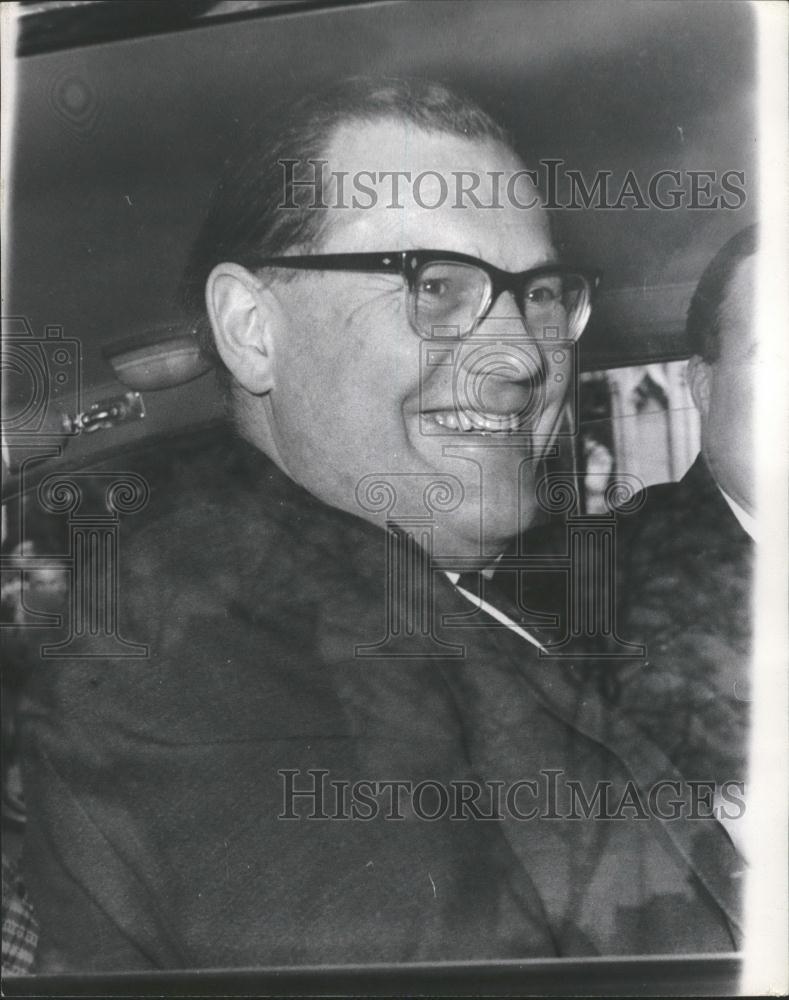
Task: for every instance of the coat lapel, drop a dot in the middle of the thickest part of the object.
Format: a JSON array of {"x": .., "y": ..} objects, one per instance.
[{"x": 512, "y": 694}]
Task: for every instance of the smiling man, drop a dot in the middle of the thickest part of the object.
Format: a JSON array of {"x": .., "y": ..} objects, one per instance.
[
  {"x": 408, "y": 334},
  {"x": 331, "y": 754}
]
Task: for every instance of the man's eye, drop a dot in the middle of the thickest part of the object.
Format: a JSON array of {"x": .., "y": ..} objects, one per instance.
[
  {"x": 545, "y": 293},
  {"x": 436, "y": 287}
]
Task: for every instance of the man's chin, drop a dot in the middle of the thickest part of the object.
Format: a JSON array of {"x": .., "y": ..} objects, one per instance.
[{"x": 473, "y": 537}]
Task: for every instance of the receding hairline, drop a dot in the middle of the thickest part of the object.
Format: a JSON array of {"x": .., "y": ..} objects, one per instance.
[
  {"x": 349, "y": 124},
  {"x": 402, "y": 119}
]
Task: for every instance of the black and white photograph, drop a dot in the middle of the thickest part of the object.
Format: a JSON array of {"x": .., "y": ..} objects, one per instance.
[{"x": 394, "y": 523}]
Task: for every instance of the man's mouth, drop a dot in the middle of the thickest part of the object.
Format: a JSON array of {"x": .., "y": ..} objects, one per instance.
[{"x": 465, "y": 421}]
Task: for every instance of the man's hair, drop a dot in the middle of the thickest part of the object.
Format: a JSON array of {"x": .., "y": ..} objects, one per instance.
[
  {"x": 706, "y": 307},
  {"x": 245, "y": 224}
]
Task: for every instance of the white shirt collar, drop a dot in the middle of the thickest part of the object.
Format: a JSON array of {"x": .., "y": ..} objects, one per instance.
[
  {"x": 493, "y": 611},
  {"x": 747, "y": 521}
]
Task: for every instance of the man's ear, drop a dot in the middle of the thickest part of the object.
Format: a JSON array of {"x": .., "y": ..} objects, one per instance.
[
  {"x": 242, "y": 316},
  {"x": 699, "y": 378}
]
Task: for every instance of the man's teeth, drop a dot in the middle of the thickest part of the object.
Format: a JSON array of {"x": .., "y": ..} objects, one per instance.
[
  {"x": 474, "y": 420},
  {"x": 465, "y": 421}
]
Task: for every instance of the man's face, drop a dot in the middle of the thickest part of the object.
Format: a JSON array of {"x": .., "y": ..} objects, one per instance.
[
  {"x": 727, "y": 406},
  {"x": 357, "y": 393}
]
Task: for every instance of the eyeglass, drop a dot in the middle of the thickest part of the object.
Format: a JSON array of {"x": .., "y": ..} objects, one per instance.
[{"x": 451, "y": 293}]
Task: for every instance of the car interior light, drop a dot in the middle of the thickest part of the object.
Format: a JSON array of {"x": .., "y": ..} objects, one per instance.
[{"x": 157, "y": 359}]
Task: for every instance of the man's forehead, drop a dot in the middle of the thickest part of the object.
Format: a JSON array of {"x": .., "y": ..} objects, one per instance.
[
  {"x": 390, "y": 143},
  {"x": 397, "y": 186}
]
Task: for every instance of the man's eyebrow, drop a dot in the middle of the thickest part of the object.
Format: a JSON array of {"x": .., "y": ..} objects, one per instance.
[
  {"x": 431, "y": 245},
  {"x": 550, "y": 258}
]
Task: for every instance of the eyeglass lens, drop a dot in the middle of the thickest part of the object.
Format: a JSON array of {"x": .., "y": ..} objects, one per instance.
[{"x": 452, "y": 296}]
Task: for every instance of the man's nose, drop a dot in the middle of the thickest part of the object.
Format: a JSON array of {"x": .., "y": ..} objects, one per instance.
[
  {"x": 500, "y": 368},
  {"x": 502, "y": 346}
]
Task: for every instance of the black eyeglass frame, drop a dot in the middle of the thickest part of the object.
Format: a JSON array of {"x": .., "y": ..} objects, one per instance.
[{"x": 409, "y": 263}]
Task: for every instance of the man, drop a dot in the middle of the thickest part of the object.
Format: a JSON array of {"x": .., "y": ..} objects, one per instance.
[
  {"x": 395, "y": 363},
  {"x": 687, "y": 555},
  {"x": 723, "y": 337}
]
